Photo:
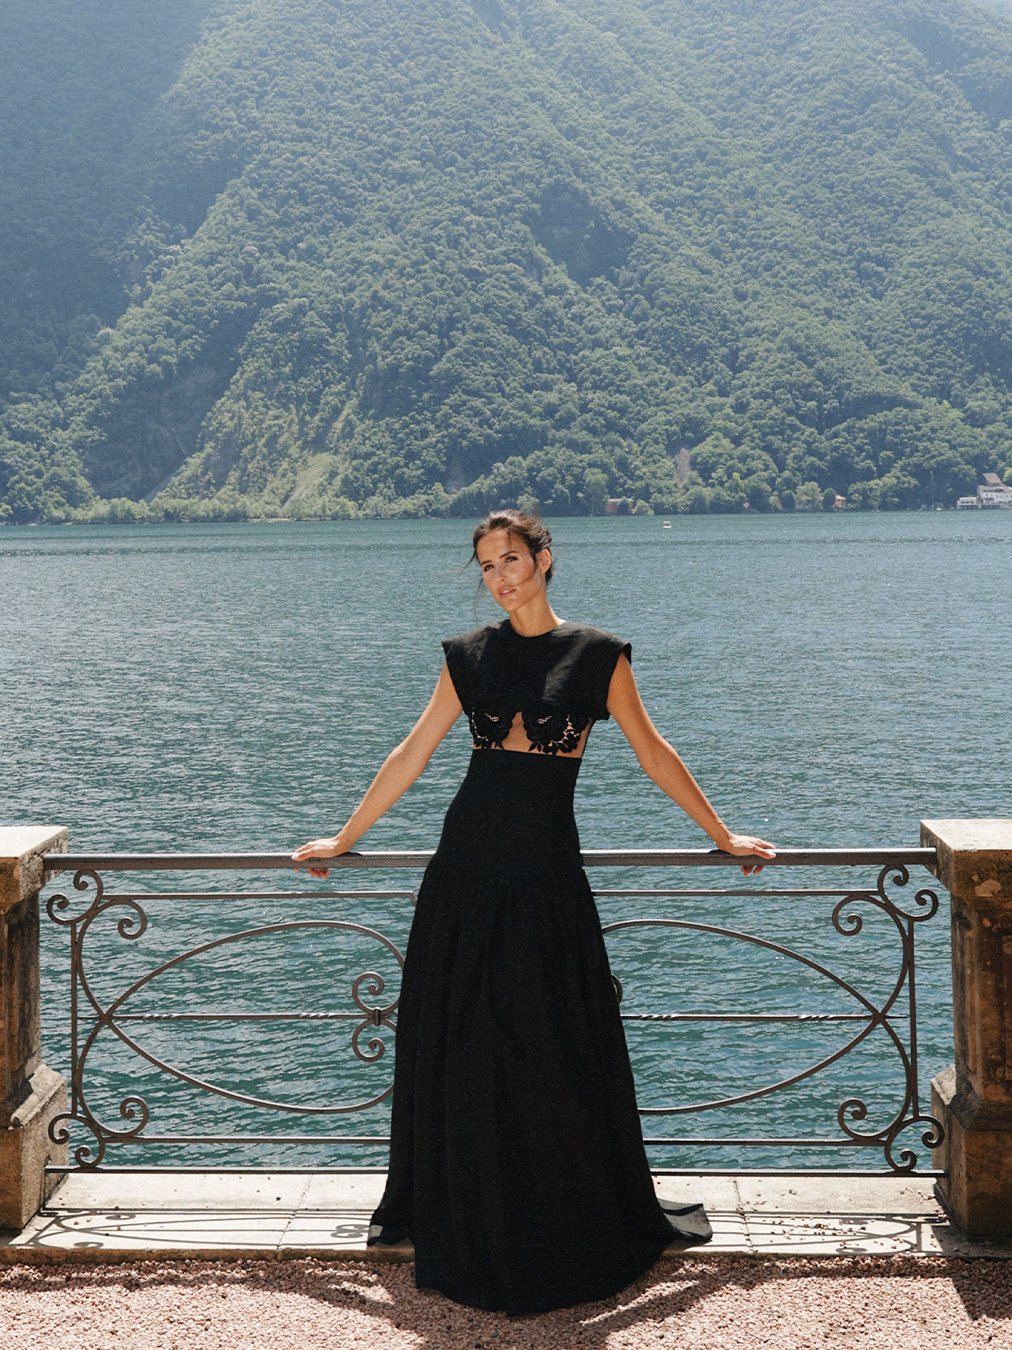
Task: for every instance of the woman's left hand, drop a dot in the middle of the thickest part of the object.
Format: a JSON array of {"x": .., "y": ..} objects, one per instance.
[
  {"x": 742, "y": 844},
  {"x": 319, "y": 848}
]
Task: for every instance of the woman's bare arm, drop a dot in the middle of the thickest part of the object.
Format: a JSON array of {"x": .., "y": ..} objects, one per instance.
[
  {"x": 661, "y": 762},
  {"x": 398, "y": 771}
]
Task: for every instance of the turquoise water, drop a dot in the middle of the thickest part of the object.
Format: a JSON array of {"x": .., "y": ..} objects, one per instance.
[{"x": 830, "y": 679}]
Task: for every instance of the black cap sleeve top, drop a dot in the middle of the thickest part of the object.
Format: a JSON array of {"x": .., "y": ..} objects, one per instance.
[{"x": 558, "y": 681}]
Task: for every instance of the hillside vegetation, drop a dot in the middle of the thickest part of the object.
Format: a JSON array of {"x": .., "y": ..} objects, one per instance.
[{"x": 378, "y": 257}]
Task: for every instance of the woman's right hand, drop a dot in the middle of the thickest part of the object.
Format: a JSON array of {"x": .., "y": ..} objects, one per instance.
[
  {"x": 750, "y": 845},
  {"x": 319, "y": 848}
]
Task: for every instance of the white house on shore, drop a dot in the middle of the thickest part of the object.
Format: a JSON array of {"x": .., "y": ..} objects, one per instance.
[{"x": 991, "y": 493}]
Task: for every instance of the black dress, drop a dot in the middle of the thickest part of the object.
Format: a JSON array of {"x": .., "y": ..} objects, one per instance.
[{"x": 516, "y": 1157}]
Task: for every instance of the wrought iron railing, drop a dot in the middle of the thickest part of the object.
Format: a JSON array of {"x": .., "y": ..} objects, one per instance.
[{"x": 100, "y": 1012}]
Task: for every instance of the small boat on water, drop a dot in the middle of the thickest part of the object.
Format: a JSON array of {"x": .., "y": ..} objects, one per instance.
[{"x": 666, "y": 525}]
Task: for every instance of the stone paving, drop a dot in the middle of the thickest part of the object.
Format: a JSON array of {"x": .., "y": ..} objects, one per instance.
[{"x": 130, "y": 1216}]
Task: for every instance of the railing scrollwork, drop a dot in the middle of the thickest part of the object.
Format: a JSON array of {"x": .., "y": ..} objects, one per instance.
[{"x": 889, "y": 1014}]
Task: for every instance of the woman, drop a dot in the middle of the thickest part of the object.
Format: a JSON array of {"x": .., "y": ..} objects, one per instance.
[{"x": 517, "y": 1163}]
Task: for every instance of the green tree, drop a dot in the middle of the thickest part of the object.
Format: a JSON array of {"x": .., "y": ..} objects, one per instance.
[{"x": 595, "y": 492}]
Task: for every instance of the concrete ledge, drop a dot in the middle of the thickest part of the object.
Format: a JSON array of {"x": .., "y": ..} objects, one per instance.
[
  {"x": 977, "y": 1155},
  {"x": 26, "y": 1150},
  {"x": 974, "y": 856},
  {"x": 117, "y": 1217},
  {"x": 21, "y": 870}
]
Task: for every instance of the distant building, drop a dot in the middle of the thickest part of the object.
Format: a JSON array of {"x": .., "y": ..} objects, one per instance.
[
  {"x": 840, "y": 504},
  {"x": 967, "y": 504},
  {"x": 993, "y": 492}
]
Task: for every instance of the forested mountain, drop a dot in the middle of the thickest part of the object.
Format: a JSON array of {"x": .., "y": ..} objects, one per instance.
[{"x": 341, "y": 257}]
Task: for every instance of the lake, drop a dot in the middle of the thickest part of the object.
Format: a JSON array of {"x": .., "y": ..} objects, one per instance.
[{"x": 830, "y": 679}]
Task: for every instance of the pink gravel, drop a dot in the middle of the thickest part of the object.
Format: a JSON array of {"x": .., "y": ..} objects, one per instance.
[{"x": 717, "y": 1302}]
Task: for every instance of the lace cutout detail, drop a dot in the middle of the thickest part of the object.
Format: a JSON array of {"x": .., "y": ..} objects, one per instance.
[
  {"x": 553, "y": 731},
  {"x": 490, "y": 727},
  {"x": 549, "y": 730}
]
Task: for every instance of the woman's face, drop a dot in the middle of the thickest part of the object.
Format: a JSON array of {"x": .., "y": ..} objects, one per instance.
[{"x": 512, "y": 576}]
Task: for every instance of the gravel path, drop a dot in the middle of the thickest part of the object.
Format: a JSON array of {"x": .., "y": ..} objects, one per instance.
[{"x": 719, "y": 1303}]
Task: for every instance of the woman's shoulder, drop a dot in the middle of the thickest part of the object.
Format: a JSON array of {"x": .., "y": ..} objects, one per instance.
[
  {"x": 591, "y": 655},
  {"x": 590, "y": 636},
  {"x": 473, "y": 642},
  {"x": 465, "y": 656}
]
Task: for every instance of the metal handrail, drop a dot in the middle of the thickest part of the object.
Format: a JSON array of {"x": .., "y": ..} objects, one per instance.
[
  {"x": 595, "y": 857},
  {"x": 889, "y": 1013}
]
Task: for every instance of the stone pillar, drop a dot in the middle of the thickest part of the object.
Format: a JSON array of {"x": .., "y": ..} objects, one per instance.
[
  {"x": 973, "y": 1097},
  {"x": 30, "y": 1093}
]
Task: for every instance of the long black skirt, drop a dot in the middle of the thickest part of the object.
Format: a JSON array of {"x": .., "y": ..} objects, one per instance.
[{"x": 517, "y": 1163}]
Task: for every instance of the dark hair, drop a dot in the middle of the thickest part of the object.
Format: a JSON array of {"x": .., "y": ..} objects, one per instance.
[{"x": 520, "y": 524}]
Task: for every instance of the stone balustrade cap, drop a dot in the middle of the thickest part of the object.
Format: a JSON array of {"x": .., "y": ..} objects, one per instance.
[
  {"x": 21, "y": 851},
  {"x": 974, "y": 856}
]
